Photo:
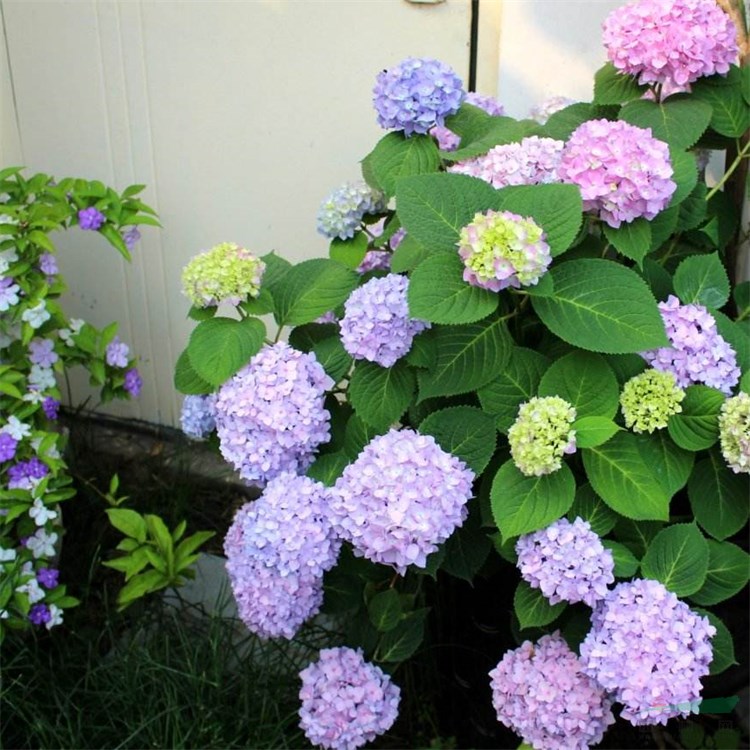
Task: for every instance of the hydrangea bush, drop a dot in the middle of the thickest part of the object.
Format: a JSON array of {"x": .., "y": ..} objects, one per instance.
[{"x": 546, "y": 376}]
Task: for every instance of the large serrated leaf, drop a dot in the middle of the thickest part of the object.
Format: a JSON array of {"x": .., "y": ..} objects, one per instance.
[
  {"x": 702, "y": 279},
  {"x": 380, "y": 395},
  {"x": 467, "y": 548},
  {"x": 731, "y": 115},
  {"x": 696, "y": 427},
  {"x": 532, "y": 609},
  {"x": 685, "y": 175},
  {"x": 727, "y": 574},
  {"x": 396, "y": 156},
  {"x": 562, "y": 123},
  {"x": 590, "y": 507},
  {"x": 679, "y": 121},
  {"x": 497, "y": 131},
  {"x": 187, "y": 380},
  {"x": 601, "y": 306},
  {"x": 670, "y": 464},
  {"x": 633, "y": 240},
  {"x": 613, "y": 87},
  {"x": 678, "y": 557}
]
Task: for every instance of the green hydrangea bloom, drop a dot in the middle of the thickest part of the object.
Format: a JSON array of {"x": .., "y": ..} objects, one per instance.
[
  {"x": 734, "y": 432},
  {"x": 542, "y": 434},
  {"x": 225, "y": 273},
  {"x": 648, "y": 400}
]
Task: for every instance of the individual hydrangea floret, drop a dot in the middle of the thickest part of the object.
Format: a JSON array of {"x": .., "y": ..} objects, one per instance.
[
  {"x": 542, "y": 435},
  {"x": 501, "y": 249},
  {"x": 341, "y": 213},
  {"x": 734, "y": 432},
  {"x": 376, "y": 325},
  {"x": 133, "y": 382},
  {"x": 277, "y": 549},
  {"x": 624, "y": 173},
  {"x": 400, "y": 498},
  {"x": 533, "y": 161},
  {"x": 670, "y": 42},
  {"x": 270, "y": 416},
  {"x": 698, "y": 354},
  {"x": 540, "y": 691},
  {"x": 91, "y": 218},
  {"x": 225, "y": 273},
  {"x": 649, "y": 399},
  {"x": 416, "y": 95},
  {"x": 567, "y": 562},
  {"x": 448, "y": 140},
  {"x": 346, "y": 701},
  {"x": 650, "y": 650},
  {"x": 197, "y": 417},
  {"x": 543, "y": 111}
]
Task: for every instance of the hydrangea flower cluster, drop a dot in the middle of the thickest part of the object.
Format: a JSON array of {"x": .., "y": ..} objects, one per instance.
[
  {"x": 532, "y": 161},
  {"x": 501, "y": 249},
  {"x": 567, "y": 562},
  {"x": 197, "y": 417},
  {"x": 649, "y": 650},
  {"x": 346, "y": 701},
  {"x": 270, "y": 416},
  {"x": 543, "y": 111},
  {"x": 649, "y": 399},
  {"x": 277, "y": 549},
  {"x": 734, "y": 432},
  {"x": 542, "y": 434},
  {"x": 670, "y": 42},
  {"x": 225, "y": 273},
  {"x": 341, "y": 213},
  {"x": 541, "y": 692},
  {"x": 416, "y": 95},
  {"x": 376, "y": 325},
  {"x": 447, "y": 140},
  {"x": 400, "y": 498},
  {"x": 623, "y": 171},
  {"x": 699, "y": 354}
]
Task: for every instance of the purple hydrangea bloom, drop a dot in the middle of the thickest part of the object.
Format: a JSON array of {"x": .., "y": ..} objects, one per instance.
[
  {"x": 197, "y": 417},
  {"x": 42, "y": 352},
  {"x": 24, "y": 474},
  {"x": 541, "y": 692},
  {"x": 40, "y": 614},
  {"x": 130, "y": 237},
  {"x": 117, "y": 353},
  {"x": 341, "y": 213},
  {"x": 416, "y": 95},
  {"x": 649, "y": 649},
  {"x": 48, "y": 577},
  {"x": 376, "y": 324},
  {"x": 532, "y": 161},
  {"x": 8, "y": 445},
  {"x": 48, "y": 264},
  {"x": 50, "y": 407},
  {"x": 542, "y": 112},
  {"x": 670, "y": 42},
  {"x": 400, "y": 498},
  {"x": 90, "y": 218},
  {"x": 270, "y": 416},
  {"x": 623, "y": 171},
  {"x": 8, "y": 293},
  {"x": 566, "y": 562},
  {"x": 699, "y": 354},
  {"x": 375, "y": 260},
  {"x": 346, "y": 701},
  {"x": 133, "y": 382},
  {"x": 448, "y": 140},
  {"x": 277, "y": 549}
]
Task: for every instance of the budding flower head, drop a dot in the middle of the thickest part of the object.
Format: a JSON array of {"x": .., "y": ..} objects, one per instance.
[
  {"x": 225, "y": 273},
  {"x": 341, "y": 213},
  {"x": 734, "y": 432},
  {"x": 649, "y": 399},
  {"x": 542, "y": 434},
  {"x": 501, "y": 249}
]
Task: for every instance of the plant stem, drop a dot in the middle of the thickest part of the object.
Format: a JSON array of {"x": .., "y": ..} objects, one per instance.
[{"x": 741, "y": 154}]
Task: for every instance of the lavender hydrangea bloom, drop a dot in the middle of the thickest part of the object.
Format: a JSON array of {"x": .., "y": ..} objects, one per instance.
[
  {"x": 649, "y": 650},
  {"x": 197, "y": 417},
  {"x": 133, "y": 382},
  {"x": 277, "y": 549},
  {"x": 25, "y": 474},
  {"x": 623, "y": 171},
  {"x": 346, "y": 701},
  {"x": 400, "y": 498},
  {"x": 341, "y": 213},
  {"x": 376, "y": 324},
  {"x": 117, "y": 353},
  {"x": 699, "y": 354},
  {"x": 670, "y": 42},
  {"x": 416, "y": 95},
  {"x": 531, "y": 162},
  {"x": 543, "y": 111},
  {"x": 448, "y": 140},
  {"x": 8, "y": 445},
  {"x": 270, "y": 416},
  {"x": 375, "y": 260},
  {"x": 566, "y": 562},
  {"x": 50, "y": 407},
  {"x": 8, "y": 293},
  {"x": 90, "y": 218},
  {"x": 541, "y": 692}
]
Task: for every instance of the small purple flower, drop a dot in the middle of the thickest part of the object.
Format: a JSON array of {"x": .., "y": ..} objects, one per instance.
[
  {"x": 48, "y": 264},
  {"x": 40, "y": 614},
  {"x": 48, "y": 577},
  {"x": 42, "y": 352},
  {"x": 8, "y": 446},
  {"x": 90, "y": 218},
  {"x": 50, "y": 406},
  {"x": 8, "y": 293},
  {"x": 24, "y": 474},
  {"x": 117, "y": 353},
  {"x": 130, "y": 237},
  {"x": 133, "y": 382}
]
